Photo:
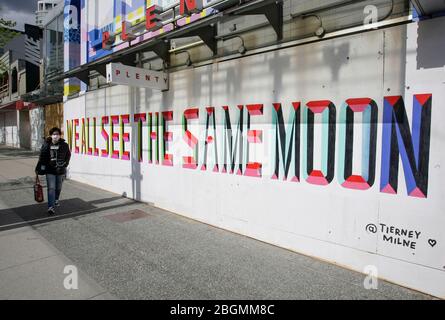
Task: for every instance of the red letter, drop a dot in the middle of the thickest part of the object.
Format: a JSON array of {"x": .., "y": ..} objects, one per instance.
[
  {"x": 105, "y": 38},
  {"x": 140, "y": 118},
  {"x": 105, "y": 152},
  {"x": 125, "y": 137},
  {"x": 127, "y": 36},
  {"x": 76, "y": 135},
  {"x": 253, "y": 169},
  {"x": 114, "y": 137},
  {"x": 190, "y": 162},
  {"x": 167, "y": 137},
  {"x": 190, "y": 6},
  {"x": 152, "y": 18}
]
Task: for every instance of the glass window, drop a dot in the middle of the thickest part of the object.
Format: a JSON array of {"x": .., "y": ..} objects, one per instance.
[
  {"x": 60, "y": 43},
  {"x": 53, "y": 48}
]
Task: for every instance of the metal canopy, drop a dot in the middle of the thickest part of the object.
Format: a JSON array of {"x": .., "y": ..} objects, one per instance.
[
  {"x": 204, "y": 28},
  {"x": 207, "y": 35},
  {"x": 125, "y": 56},
  {"x": 429, "y": 7},
  {"x": 273, "y": 10}
]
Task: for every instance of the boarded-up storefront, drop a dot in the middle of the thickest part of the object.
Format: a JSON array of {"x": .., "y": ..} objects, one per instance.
[{"x": 53, "y": 116}]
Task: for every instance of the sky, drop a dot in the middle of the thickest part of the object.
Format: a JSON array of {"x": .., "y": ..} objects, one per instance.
[{"x": 20, "y": 11}]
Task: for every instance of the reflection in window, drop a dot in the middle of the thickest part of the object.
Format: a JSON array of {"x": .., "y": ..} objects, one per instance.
[{"x": 53, "y": 49}]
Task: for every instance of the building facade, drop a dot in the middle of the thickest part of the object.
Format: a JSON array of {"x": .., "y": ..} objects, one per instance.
[
  {"x": 43, "y": 8},
  {"x": 314, "y": 126},
  {"x": 20, "y": 74},
  {"x": 31, "y": 101},
  {"x": 47, "y": 98}
]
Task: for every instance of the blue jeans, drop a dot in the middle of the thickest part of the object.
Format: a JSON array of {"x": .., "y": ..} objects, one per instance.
[{"x": 54, "y": 185}]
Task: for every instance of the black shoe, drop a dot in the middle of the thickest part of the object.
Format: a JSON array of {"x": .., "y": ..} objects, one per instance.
[{"x": 51, "y": 211}]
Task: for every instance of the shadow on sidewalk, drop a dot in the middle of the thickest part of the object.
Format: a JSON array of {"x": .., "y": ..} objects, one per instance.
[
  {"x": 37, "y": 213},
  {"x": 16, "y": 152}
]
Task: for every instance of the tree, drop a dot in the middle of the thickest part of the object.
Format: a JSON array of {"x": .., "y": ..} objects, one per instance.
[
  {"x": 7, "y": 23},
  {"x": 6, "y": 31}
]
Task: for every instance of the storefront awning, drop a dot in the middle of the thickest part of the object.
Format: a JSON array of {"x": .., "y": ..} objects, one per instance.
[{"x": 16, "y": 105}]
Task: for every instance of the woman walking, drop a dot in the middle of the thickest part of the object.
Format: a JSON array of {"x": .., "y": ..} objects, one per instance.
[{"x": 54, "y": 158}]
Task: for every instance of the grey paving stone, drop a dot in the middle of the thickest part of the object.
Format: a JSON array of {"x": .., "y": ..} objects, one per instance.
[{"x": 44, "y": 280}]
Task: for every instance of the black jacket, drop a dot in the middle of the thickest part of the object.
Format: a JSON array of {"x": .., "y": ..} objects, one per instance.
[{"x": 54, "y": 158}]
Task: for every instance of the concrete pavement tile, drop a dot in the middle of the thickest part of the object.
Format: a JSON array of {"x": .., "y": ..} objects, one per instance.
[
  {"x": 22, "y": 246},
  {"x": 104, "y": 296},
  {"x": 44, "y": 279}
]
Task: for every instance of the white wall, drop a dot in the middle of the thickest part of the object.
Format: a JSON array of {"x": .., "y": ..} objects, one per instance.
[
  {"x": 9, "y": 128},
  {"x": 37, "y": 121},
  {"x": 328, "y": 222}
]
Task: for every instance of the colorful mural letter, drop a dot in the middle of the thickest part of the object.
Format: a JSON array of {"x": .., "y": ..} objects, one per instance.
[
  {"x": 287, "y": 143},
  {"x": 190, "y": 162},
  {"x": 210, "y": 140},
  {"x": 327, "y": 111},
  {"x": 140, "y": 118},
  {"x": 368, "y": 109},
  {"x": 76, "y": 135},
  {"x": 114, "y": 137},
  {"x": 69, "y": 133},
  {"x": 167, "y": 137},
  {"x": 87, "y": 139},
  {"x": 153, "y": 136},
  {"x": 83, "y": 143},
  {"x": 230, "y": 147},
  {"x": 412, "y": 146},
  {"x": 253, "y": 169},
  {"x": 105, "y": 152},
  {"x": 124, "y": 137}
]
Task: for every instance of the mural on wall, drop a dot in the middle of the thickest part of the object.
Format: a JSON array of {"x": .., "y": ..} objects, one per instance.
[{"x": 399, "y": 139}]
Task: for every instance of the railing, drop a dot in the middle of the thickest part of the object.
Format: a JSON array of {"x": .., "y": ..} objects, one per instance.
[{"x": 4, "y": 90}]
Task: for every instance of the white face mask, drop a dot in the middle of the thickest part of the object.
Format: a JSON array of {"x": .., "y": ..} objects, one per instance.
[{"x": 55, "y": 137}]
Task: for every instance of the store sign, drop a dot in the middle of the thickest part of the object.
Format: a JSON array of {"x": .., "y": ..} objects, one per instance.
[
  {"x": 153, "y": 21},
  {"x": 111, "y": 28},
  {"x": 118, "y": 73}
]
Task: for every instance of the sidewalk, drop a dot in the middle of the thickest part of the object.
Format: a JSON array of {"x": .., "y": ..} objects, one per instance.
[{"x": 129, "y": 250}]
